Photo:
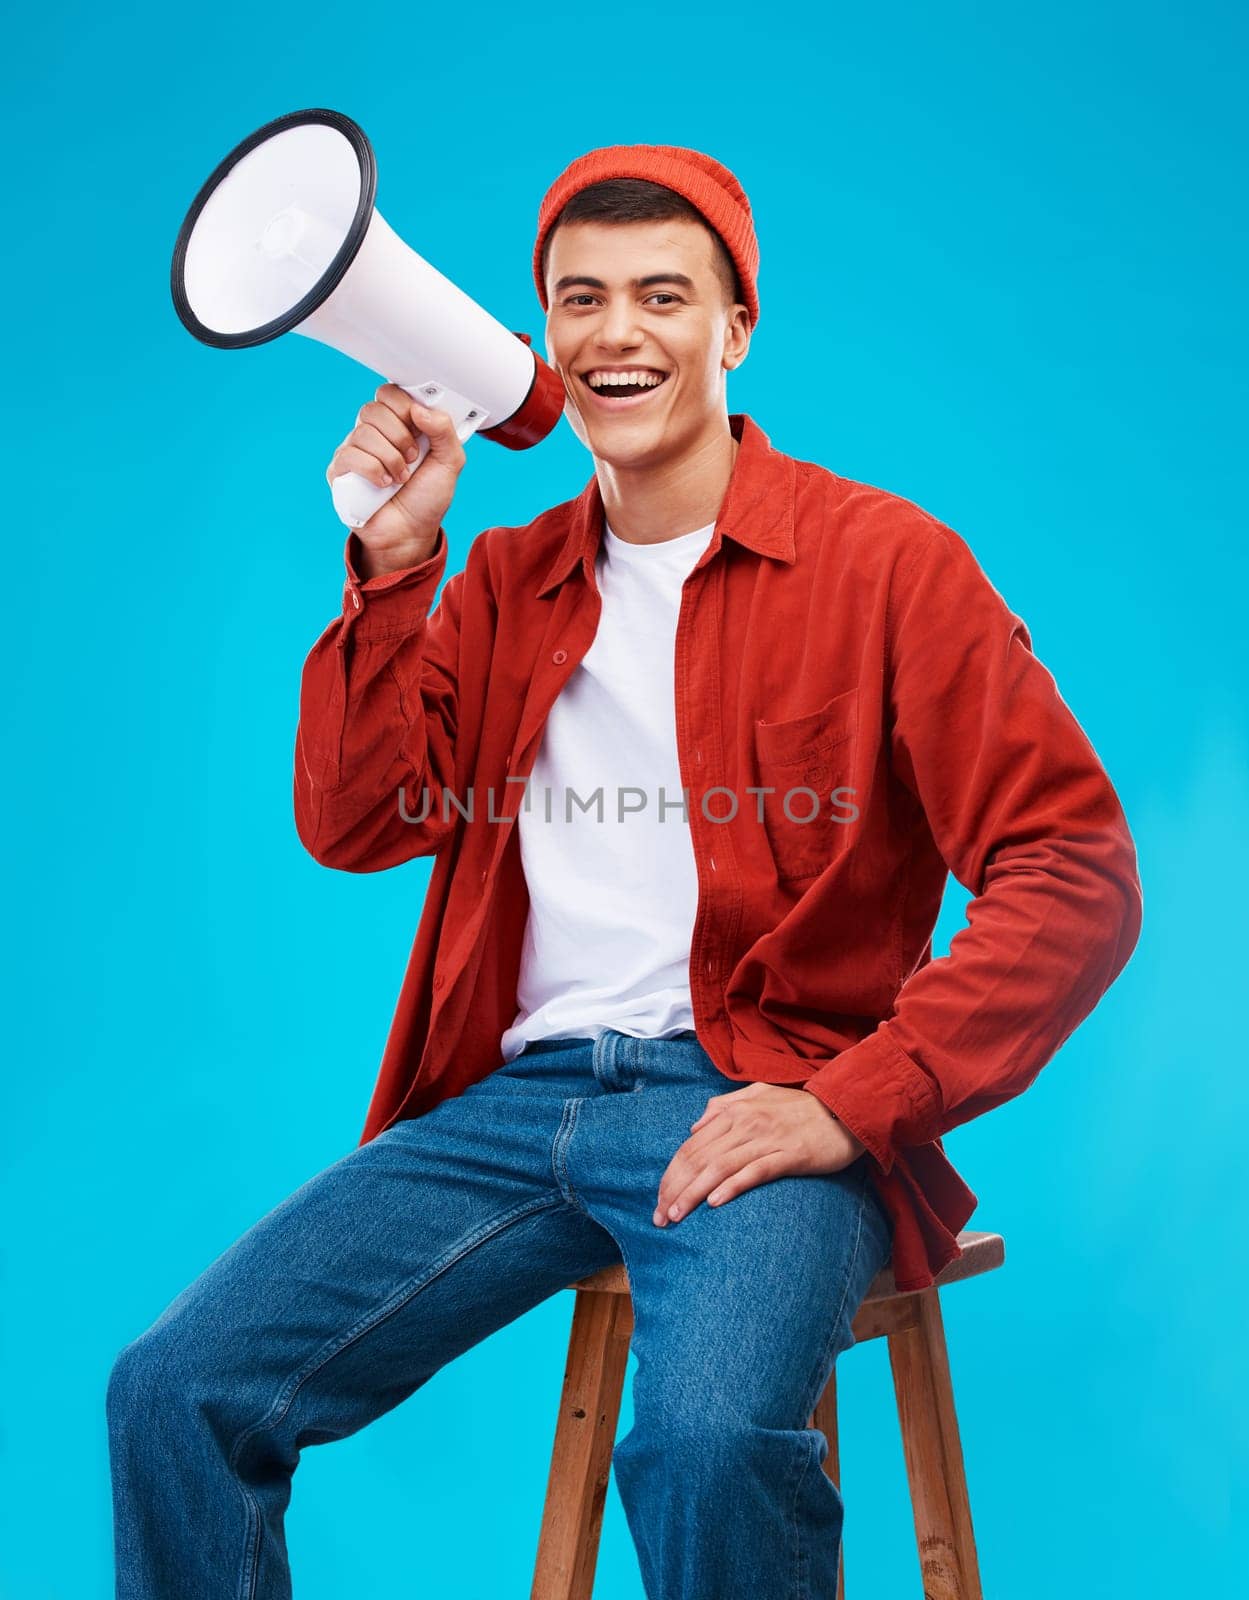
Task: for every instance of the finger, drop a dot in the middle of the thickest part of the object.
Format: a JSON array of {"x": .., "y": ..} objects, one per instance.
[
  {"x": 375, "y": 443},
  {"x": 762, "y": 1170},
  {"x": 391, "y": 426},
  {"x": 716, "y": 1177},
  {"x": 395, "y": 399},
  {"x": 348, "y": 459},
  {"x": 723, "y": 1102},
  {"x": 688, "y": 1169},
  {"x": 714, "y": 1140},
  {"x": 439, "y": 429}
]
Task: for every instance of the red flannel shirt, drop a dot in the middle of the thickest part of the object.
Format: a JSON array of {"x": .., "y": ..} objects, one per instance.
[{"x": 832, "y": 637}]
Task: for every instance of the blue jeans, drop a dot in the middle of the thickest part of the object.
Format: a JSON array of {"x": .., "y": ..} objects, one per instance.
[{"x": 370, "y": 1277}]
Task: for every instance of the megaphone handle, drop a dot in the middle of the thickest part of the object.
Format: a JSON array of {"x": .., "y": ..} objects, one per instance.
[{"x": 356, "y": 498}]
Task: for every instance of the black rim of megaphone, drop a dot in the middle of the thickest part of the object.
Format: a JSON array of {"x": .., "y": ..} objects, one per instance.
[{"x": 333, "y": 274}]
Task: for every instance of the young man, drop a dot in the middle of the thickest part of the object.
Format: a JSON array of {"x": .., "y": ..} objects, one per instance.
[{"x": 694, "y": 753}]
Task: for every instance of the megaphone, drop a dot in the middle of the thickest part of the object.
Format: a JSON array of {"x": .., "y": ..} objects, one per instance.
[{"x": 283, "y": 237}]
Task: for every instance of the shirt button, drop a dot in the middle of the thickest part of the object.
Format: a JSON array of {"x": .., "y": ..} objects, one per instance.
[
  {"x": 440, "y": 980},
  {"x": 698, "y": 756},
  {"x": 559, "y": 655}
]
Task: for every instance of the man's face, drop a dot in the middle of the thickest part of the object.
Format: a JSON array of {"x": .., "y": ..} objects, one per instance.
[{"x": 673, "y": 324}]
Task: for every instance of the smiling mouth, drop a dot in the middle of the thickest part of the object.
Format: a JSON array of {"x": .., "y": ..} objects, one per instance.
[{"x": 617, "y": 396}]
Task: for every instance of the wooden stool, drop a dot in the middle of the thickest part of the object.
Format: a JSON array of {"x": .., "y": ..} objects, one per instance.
[{"x": 598, "y": 1349}]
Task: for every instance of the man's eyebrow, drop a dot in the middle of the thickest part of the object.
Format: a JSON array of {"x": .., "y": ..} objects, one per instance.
[{"x": 634, "y": 283}]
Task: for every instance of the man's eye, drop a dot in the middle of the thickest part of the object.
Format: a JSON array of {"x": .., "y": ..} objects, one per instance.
[{"x": 660, "y": 294}]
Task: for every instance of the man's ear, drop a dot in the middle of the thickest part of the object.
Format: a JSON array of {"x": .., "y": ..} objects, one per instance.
[{"x": 737, "y": 338}]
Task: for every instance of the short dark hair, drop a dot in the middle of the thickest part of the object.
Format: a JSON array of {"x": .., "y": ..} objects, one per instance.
[{"x": 639, "y": 200}]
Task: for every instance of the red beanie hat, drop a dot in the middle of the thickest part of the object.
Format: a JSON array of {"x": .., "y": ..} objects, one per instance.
[{"x": 703, "y": 181}]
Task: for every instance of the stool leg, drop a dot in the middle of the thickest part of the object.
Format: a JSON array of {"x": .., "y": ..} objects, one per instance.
[
  {"x": 934, "y": 1455},
  {"x": 572, "y": 1518},
  {"x": 825, "y": 1419}
]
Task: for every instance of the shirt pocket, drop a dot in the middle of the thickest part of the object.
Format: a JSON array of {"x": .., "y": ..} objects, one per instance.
[{"x": 810, "y": 751}]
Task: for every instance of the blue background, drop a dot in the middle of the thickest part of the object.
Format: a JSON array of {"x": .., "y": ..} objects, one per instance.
[{"x": 1002, "y": 274}]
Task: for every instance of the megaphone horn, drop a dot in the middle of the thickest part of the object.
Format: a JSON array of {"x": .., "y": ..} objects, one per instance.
[{"x": 284, "y": 238}]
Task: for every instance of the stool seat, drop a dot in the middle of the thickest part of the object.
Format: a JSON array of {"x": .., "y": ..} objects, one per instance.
[
  {"x": 598, "y": 1348},
  {"x": 979, "y": 1252}
]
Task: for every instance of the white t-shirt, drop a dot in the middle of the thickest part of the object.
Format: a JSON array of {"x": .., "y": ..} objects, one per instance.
[{"x": 612, "y": 899}]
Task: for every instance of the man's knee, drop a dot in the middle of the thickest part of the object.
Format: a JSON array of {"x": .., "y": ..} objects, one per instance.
[
  {"x": 700, "y": 1443},
  {"x": 168, "y": 1370},
  {"x": 139, "y": 1382}
]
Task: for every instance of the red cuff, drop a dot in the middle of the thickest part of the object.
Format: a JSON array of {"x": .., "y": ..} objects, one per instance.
[
  {"x": 368, "y": 604},
  {"x": 883, "y": 1097}
]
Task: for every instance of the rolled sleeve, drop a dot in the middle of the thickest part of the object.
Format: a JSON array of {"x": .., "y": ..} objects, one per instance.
[
  {"x": 395, "y": 602},
  {"x": 378, "y": 716}
]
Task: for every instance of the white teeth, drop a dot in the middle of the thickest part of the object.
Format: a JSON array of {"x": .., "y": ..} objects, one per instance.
[{"x": 599, "y": 380}]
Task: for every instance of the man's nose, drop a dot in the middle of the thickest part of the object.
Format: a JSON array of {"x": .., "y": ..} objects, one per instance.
[{"x": 619, "y": 328}]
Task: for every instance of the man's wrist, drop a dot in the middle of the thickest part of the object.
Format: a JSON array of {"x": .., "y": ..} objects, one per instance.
[
  {"x": 859, "y": 1146},
  {"x": 393, "y": 558},
  {"x": 856, "y": 1142}
]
